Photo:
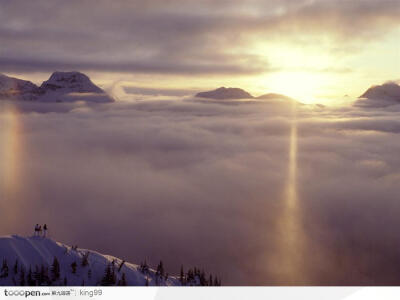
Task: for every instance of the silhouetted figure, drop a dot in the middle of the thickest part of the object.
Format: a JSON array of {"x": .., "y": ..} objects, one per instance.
[
  {"x": 40, "y": 230},
  {"x": 44, "y": 230},
  {"x": 36, "y": 230}
]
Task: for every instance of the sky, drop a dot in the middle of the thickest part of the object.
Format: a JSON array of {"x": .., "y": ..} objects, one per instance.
[{"x": 312, "y": 50}]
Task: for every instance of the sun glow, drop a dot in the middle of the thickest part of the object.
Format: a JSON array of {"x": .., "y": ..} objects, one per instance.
[
  {"x": 302, "y": 86},
  {"x": 10, "y": 164},
  {"x": 301, "y": 71},
  {"x": 290, "y": 247}
]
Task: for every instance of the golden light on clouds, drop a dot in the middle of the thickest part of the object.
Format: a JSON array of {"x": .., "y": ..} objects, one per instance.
[
  {"x": 303, "y": 72},
  {"x": 302, "y": 86},
  {"x": 288, "y": 260},
  {"x": 11, "y": 154}
]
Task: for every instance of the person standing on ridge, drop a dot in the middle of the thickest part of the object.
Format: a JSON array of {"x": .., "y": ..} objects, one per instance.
[
  {"x": 44, "y": 230},
  {"x": 36, "y": 230}
]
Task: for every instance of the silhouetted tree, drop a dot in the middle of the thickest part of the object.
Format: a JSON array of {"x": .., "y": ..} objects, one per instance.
[
  {"x": 109, "y": 277},
  {"x": 44, "y": 278},
  {"x": 122, "y": 281},
  {"x": 55, "y": 269},
  {"x": 202, "y": 278},
  {"x": 182, "y": 276},
  {"x": 36, "y": 275},
  {"x": 73, "y": 267},
  {"x": 16, "y": 266},
  {"x": 22, "y": 276},
  {"x": 29, "y": 279},
  {"x": 121, "y": 265},
  {"x": 4, "y": 269},
  {"x": 85, "y": 259},
  {"x": 160, "y": 269},
  {"x": 144, "y": 268},
  {"x": 217, "y": 282},
  {"x": 190, "y": 276}
]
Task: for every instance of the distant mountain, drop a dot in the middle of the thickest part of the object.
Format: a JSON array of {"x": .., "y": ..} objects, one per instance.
[
  {"x": 380, "y": 96},
  {"x": 42, "y": 261},
  {"x": 72, "y": 86},
  {"x": 18, "y": 89},
  {"x": 225, "y": 93},
  {"x": 387, "y": 91},
  {"x": 60, "y": 87},
  {"x": 70, "y": 82}
]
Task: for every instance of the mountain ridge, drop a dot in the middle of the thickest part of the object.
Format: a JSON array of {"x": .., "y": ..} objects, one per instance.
[
  {"x": 38, "y": 260},
  {"x": 386, "y": 91},
  {"x": 60, "y": 87},
  {"x": 230, "y": 93},
  {"x": 380, "y": 96},
  {"x": 225, "y": 93},
  {"x": 17, "y": 88}
]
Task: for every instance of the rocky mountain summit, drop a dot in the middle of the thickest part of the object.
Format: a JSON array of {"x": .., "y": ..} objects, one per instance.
[{"x": 60, "y": 87}]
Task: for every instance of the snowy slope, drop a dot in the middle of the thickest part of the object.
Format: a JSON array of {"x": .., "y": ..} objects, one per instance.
[
  {"x": 35, "y": 252},
  {"x": 60, "y": 87},
  {"x": 15, "y": 88}
]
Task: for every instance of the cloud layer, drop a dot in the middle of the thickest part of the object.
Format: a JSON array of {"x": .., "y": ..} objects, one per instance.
[
  {"x": 178, "y": 37},
  {"x": 202, "y": 183}
]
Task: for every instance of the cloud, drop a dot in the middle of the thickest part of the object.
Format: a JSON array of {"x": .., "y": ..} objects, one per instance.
[
  {"x": 178, "y": 37},
  {"x": 157, "y": 91},
  {"x": 200, "y": 183},
  {"x": 24, "y": 65}
]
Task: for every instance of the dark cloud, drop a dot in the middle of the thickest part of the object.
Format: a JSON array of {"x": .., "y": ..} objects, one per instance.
[
  {"x": 184, "y": 37},
  {"x": 164, "y": 67}
]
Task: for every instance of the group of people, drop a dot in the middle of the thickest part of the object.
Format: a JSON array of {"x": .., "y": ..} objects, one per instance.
[{"x": 39, "y": 230}]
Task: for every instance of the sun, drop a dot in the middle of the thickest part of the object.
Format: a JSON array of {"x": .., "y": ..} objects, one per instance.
[
  {"x": 300, "y": 71},
  {"x": 303, "y": 86}
]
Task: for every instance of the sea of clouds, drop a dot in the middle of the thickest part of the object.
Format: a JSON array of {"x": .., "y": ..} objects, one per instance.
[{"x": 201, "y": 183}]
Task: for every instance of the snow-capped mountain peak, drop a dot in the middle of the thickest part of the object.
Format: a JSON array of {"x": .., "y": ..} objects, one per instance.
[
  {"x": 70, "y": 81},
  {"x": 60, "y": 87},
  {"x": 17, "y": 88}
]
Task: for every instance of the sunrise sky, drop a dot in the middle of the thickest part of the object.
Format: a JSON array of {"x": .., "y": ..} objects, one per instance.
[{"x": 312, "y": 50}]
